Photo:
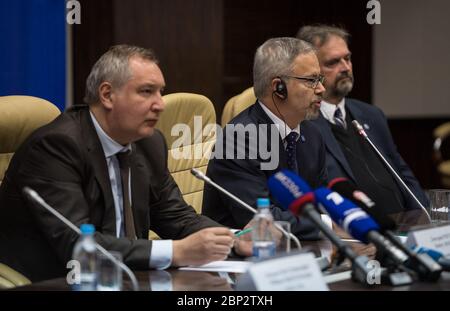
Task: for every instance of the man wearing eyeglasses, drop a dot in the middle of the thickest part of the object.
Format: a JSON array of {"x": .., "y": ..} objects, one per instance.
[
  {"x": 288, "y": 85},
  {"x": 348, "y": 155}
]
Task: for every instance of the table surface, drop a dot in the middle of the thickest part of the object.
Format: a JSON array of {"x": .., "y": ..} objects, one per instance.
[{"x": 213, "y": 281}]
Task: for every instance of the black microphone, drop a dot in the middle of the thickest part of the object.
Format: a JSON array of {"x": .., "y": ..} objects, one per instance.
[
  {"x": 294, "y": 194},
  {"x": 426, "y": 268},
  {"x": 35, "y": 197},
  {"x": 363, "y": 133}
]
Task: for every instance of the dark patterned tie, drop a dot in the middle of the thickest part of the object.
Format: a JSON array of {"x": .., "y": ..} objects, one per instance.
[
  {"x": 339, "y": 119},
  {"x": 291, "y": 145},
  {"x": 124, "y": 164}
]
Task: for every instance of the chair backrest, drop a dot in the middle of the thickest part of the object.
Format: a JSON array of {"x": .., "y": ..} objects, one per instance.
[
  {"x": 192, "y": 140},
  {"x": 19, "y": 117},
  {"x": 441, "y": 148},
  {"x": 237, "y": 104},
  {"x": 10, "y": 278}
]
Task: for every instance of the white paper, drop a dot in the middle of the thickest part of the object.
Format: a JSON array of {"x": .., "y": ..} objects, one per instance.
[{"x": 221, "y": 266}]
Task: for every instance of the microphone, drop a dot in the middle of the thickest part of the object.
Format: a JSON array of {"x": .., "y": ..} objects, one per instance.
[
  {"x": 199, "y": 175},
  {"x": 363, "y": 133},
  {"x": 35, "y": 197},
  {"x": 444, "y": 262},
  {"x": 348, "y": 190},
  {"x": 421, "y": 263},
  {"x": 357, "y": 223},
  {"x": 289, "y": 189}
]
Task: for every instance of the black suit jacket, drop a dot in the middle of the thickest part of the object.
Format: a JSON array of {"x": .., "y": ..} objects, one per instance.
[
  {"x": 376, "y": 127},
  {"x": 65, "y": 163},
  {"x": 245, "y": 179}
]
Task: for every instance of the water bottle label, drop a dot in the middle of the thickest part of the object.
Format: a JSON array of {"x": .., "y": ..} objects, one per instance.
[{"x": 262, "y": 250}]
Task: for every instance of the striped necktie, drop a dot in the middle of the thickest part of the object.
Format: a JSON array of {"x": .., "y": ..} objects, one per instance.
[{"x": 339, "y": 119}]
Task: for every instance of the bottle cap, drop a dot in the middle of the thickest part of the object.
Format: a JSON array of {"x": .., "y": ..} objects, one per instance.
[
  {"x": 87, "y": 229},
  {"x": 263, "y": 203}
]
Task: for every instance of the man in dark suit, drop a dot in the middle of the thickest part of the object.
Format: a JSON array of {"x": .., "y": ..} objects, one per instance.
[
  {"x": 81, "y": 165},
  {"x": 348, "y": 155},
  {"x": 289, "y": 88}
]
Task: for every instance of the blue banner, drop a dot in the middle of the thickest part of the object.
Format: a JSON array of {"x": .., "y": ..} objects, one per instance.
[{"x": 33, "y": 49}]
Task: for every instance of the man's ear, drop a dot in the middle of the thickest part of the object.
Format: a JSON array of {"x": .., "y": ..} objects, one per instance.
[{"x": 106, "y": 95}]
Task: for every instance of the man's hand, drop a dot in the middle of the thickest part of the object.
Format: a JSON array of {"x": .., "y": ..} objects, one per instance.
[
  {"x": 243, "y": 245},
  {"x": 201, "y": 247}
]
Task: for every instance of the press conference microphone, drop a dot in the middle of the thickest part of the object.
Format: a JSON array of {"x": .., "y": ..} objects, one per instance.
[
  {"x": 348, "y": 190},
  {"x": 363, "y": 133},
  {"x": 444, "y": 262},
  {"x": 35, "y": 197},
  {"x": 294, "y": 194},
  {"x": 199, "y": 175},
  {"x": 421, "y": 263},
  {"x": 357, "y": 223}
]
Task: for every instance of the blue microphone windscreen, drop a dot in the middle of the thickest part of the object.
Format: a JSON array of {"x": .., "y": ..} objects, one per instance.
[
  {"x": 346, "y": 214},
  {"x": 286, "y": 187}
]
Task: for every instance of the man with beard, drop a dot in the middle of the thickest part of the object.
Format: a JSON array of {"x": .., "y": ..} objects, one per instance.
[
  {"x": 348, "y": 155},
  {"x": 288, "y": 85}
]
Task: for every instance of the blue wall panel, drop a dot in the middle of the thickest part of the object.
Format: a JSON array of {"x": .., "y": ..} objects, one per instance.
[{"x": 33, "y": 49}]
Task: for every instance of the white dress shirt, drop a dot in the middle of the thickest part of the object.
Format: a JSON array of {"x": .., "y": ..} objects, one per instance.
[
  {"x": 282, "y": 127},
  {"x": 161, "y": 253},
  {"x": 328, "y": 110}
]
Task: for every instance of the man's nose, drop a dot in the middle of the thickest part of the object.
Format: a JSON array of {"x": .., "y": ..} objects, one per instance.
[
  {"x": 319, "y": 89},
  {"x": 159, "y": 104},
  {"x": 346, "y": 65}
]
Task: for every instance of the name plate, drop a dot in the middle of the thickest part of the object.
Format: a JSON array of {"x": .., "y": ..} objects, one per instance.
[
  {"x": 437, "y": 238},
  {"x": 289, "y": 273}
]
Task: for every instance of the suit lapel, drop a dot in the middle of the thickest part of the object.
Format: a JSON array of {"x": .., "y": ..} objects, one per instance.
[
  {"x": 332, "y": 145},
  {"x": 361, "y": 117},
  {"x": 98, "y": 161}
]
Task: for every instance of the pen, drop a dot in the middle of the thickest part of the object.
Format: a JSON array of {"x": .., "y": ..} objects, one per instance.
[{"x": 239, "y": 233}]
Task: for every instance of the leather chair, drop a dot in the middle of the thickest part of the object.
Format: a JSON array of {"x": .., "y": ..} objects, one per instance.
[
  {"x": 197, "y": 140},
  {"x": 10, "y": 278},
  {"x": 441, "y": 136},
  {"x": 236, "y": 104},
  {"x": 19, "y": 117}
]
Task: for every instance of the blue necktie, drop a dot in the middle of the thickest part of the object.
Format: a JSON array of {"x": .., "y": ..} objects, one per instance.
[
  {"x": 291, "y": 145},
  {"x": 339, "y": 119}
]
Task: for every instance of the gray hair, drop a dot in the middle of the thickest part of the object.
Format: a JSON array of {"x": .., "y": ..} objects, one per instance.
[
  {"x": 274, "y": 58},
  {"x": 319, "y": 34},
  {"x": 113, "y": 67}
]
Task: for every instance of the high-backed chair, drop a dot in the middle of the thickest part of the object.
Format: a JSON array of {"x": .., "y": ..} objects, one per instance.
[
  {"x": 10, "y": 278},
  {"x": 177, "y": 123},
  {"x": 441, "y": 141},
  {"x": 19, "y": 117},
  {"x": 237, "y": 104}
]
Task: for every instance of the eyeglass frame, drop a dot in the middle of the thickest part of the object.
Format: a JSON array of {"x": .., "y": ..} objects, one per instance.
[{"x": 320, "y": 78}]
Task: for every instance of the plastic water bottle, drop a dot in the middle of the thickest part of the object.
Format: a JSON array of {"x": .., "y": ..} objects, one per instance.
[
  {"x": 86, "y": 255},
  {"x": 262, "y": 237}
]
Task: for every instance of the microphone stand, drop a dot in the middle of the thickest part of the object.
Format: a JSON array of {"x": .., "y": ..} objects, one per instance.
[
  {"x": 363, "y": 133},
  {"x": 198, "y": 174},
  {"x": 37, "y": 198}
]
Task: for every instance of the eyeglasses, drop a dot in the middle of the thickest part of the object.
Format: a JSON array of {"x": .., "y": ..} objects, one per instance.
[{"x": 311, "y": 82}]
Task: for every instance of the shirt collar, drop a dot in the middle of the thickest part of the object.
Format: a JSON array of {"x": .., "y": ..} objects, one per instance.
[
  {"x": 328, "y": 109},
  {"x": 283, "y": 128},
  {"x": 110, "y": 146}
]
